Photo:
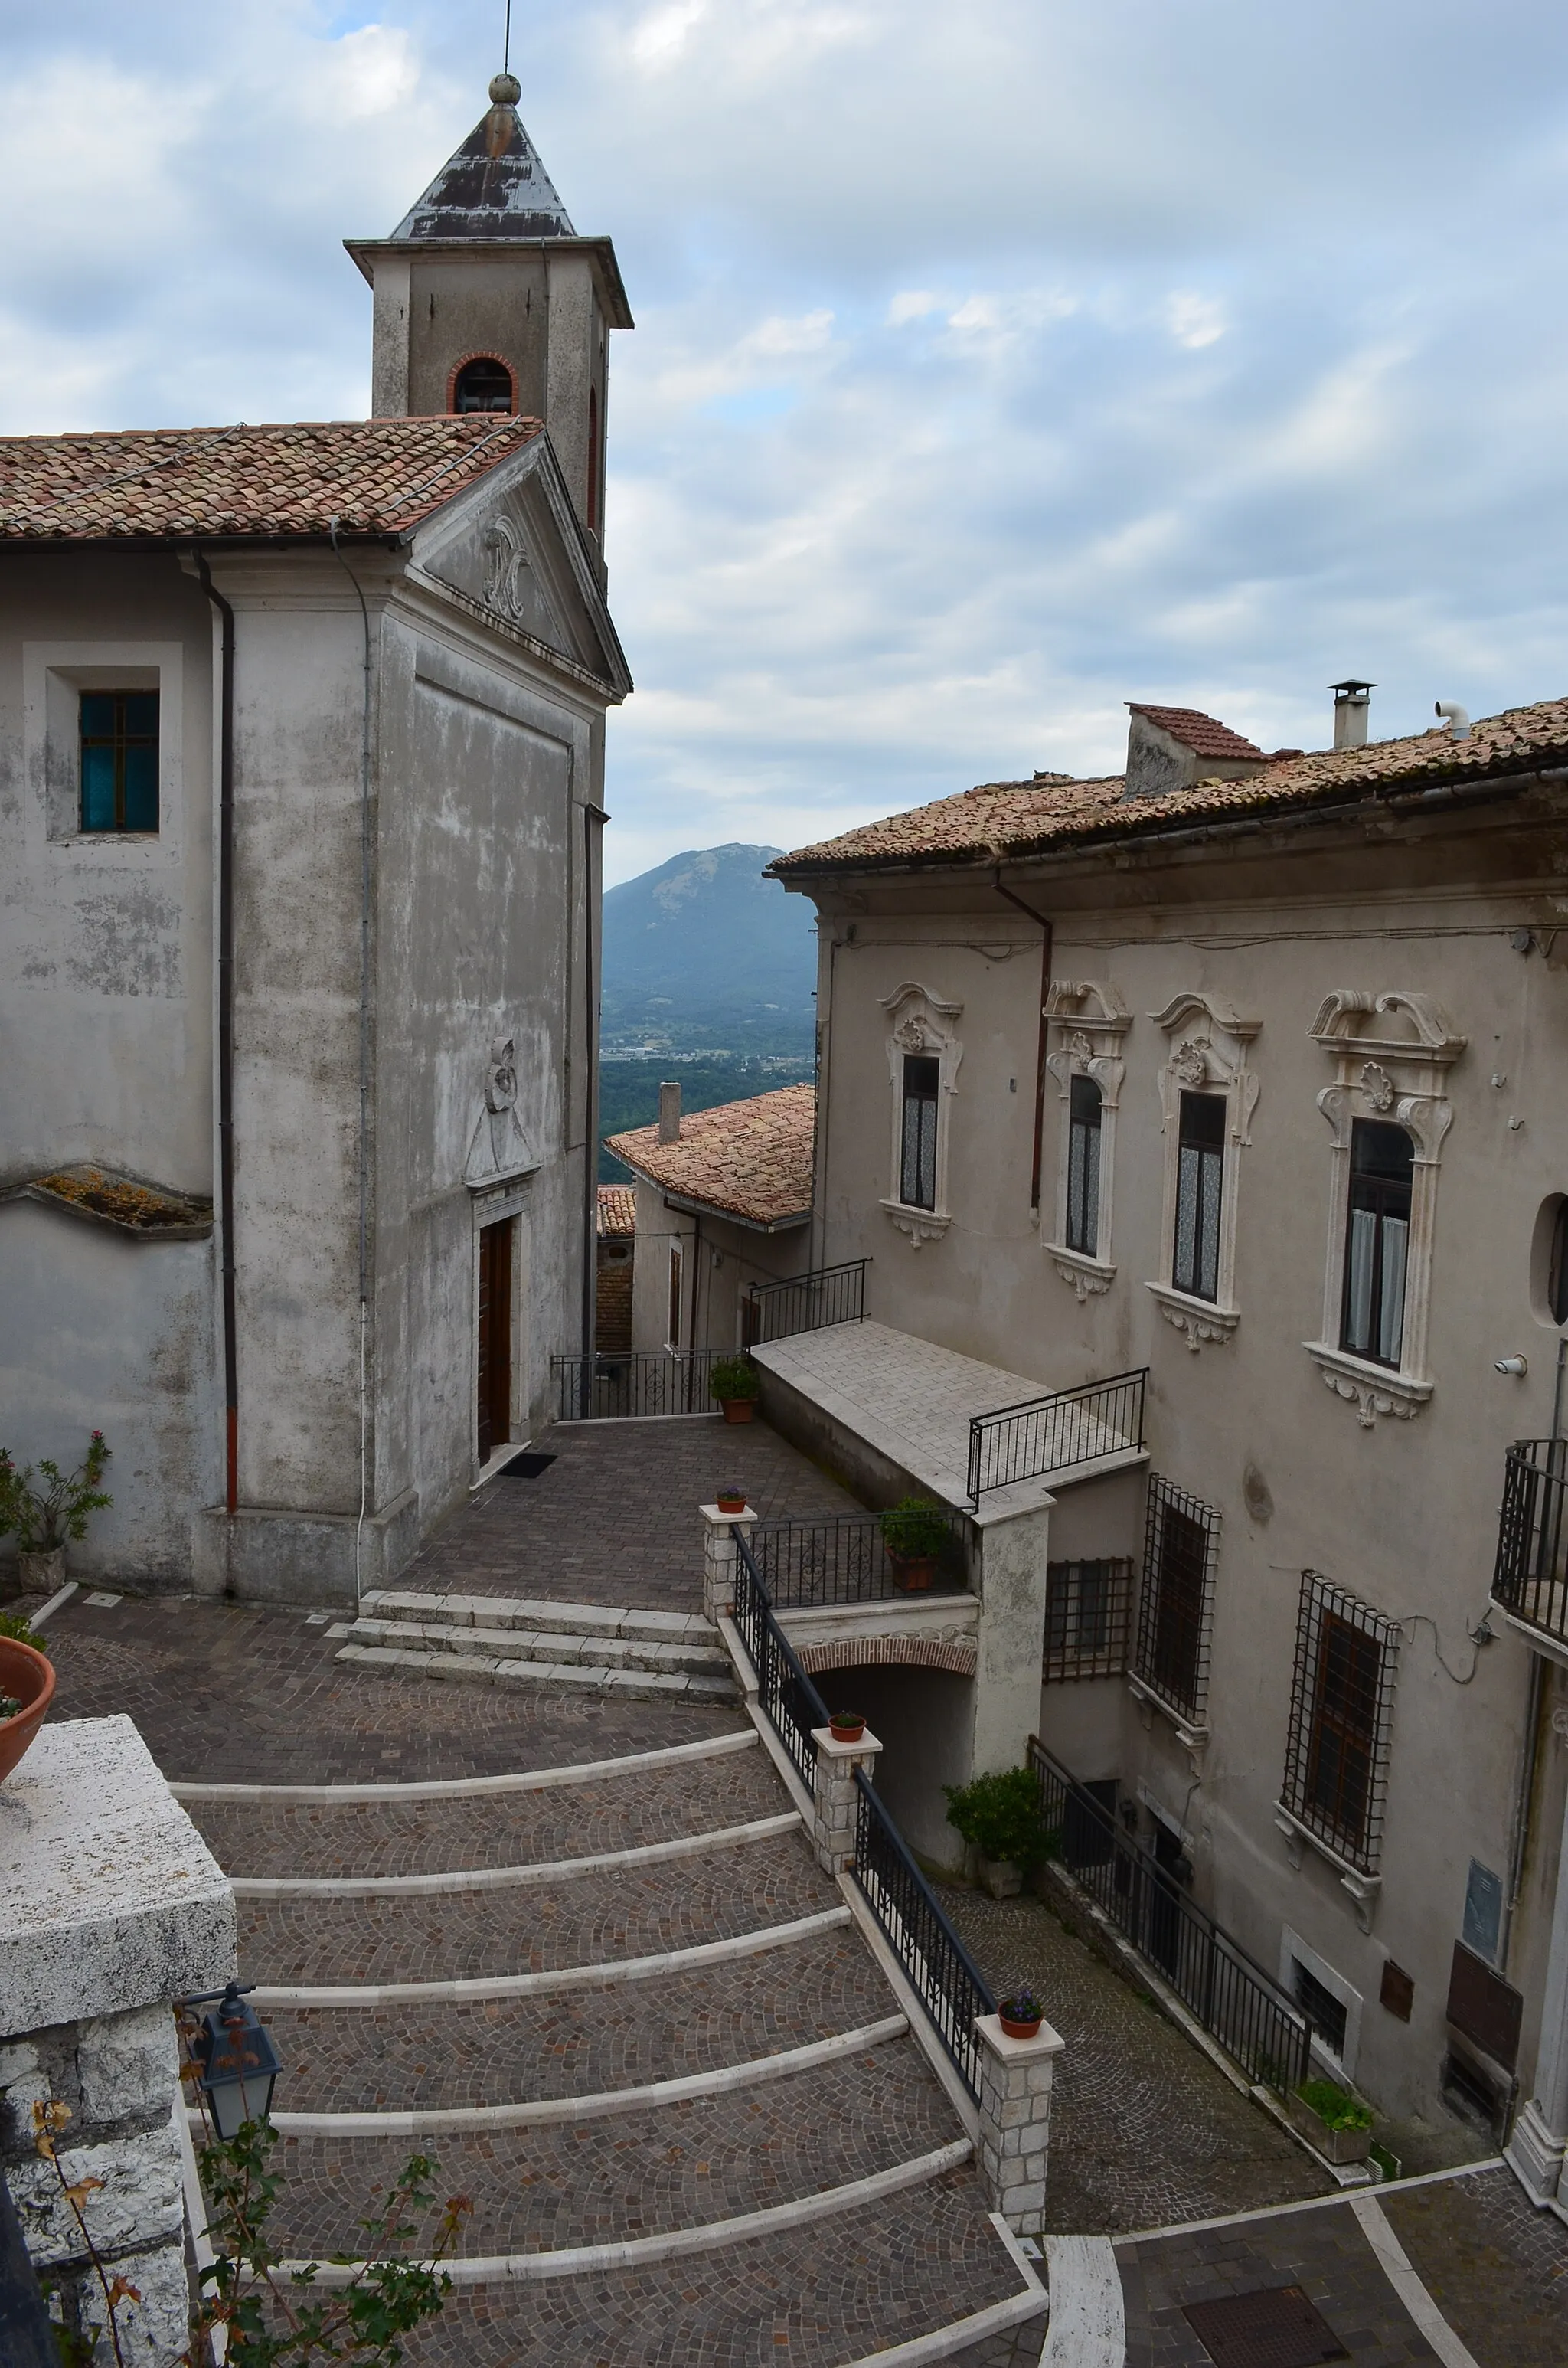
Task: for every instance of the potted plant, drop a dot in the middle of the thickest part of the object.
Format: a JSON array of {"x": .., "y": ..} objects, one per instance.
[
  {"x": 45, "y": 1516},
  {"x": 1020, "y": 2014},
  {"x": 848, "y": 1726},
  {"x": 732, "y": 1500},
  {"x": 914, "y": 1531},
  {"x": 999, "y": 1816},
  {"x": 1334, "y": 2122},
  {"x": 26, "y": 1688},
  {"x": 733, "y": 1382}
]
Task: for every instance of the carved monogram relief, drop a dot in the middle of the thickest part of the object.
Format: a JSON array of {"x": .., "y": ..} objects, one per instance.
[{"x": 498, "y": 1144}]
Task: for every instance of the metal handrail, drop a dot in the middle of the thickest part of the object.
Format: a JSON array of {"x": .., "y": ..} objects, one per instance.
[
  {"x": 844, "y": 1558},
  {"x": 1529, "y": 1580},
  {"x": 1237, "y": 2003},
  {"x": 948, "y": 1982},
  {"x": 804, "y": 1302},
  {"x": 785, "y": 1692},
  {"x": 1038, "y": 1436},
  {"x": 612, "y": 1383}
]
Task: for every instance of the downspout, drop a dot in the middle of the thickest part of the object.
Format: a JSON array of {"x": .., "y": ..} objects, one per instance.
[
  {"x": 1040, "y": 1050},
  {"x": 364, "y": 1062},
  {"x": 226, "y": 1039},
  {"x": 592, "y": 824}
]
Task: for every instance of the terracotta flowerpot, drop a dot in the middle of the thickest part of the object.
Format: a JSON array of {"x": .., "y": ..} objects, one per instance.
[
  {"x": 43, "y": 1574},
  {"x": 1016, "y": 2030},
  {"x": 731, "y": 1504},
  {"x": 912, "y": 1572},
  {"x": 29, "y": 1678},
  {"x": 848, "y": 1730},
  {"x": 739, "y": 1409}
]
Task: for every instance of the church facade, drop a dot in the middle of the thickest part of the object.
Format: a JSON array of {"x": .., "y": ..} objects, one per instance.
[{"x": 301, "y": 761}]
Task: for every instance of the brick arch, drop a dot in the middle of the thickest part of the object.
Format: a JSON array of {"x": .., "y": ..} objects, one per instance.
[
  {"x": 913, "y": 1652},
  {"x": 480, "y": 354}
]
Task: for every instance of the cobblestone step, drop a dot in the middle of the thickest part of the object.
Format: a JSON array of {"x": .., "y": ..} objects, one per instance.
[
  {"x": 630, "y": 1685},
  {"x": 423, "y": 2056},
  {"x": 551, "y": 1644},
  {"x": 539, "y": 1611}
]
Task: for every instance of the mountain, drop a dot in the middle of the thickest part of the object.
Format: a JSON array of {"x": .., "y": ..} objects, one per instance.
[{"x": 703, "y": 954}]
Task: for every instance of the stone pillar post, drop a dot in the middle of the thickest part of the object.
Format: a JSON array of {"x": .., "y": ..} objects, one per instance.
[
  {"x": 111, "y": 1906},
  {"x": 833, "y": 1826},
  {"x": 1016, "y": 2077},
  {"x": 1013, "y": 1555},
  {"x": 1540, "y": 2141},
  {"x": 719, "y": 1558}
]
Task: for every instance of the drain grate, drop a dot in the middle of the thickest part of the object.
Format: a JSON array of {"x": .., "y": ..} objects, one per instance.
[
  {"x": 1273, "y": 2327},
  {"x": 526, "y": 1467}
]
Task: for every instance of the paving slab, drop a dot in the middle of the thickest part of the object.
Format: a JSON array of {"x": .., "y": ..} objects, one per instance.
[{"x": 1496, "y": 2267}]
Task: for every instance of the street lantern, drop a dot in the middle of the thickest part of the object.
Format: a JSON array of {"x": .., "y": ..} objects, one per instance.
[{"x": 238, "y": 2062}]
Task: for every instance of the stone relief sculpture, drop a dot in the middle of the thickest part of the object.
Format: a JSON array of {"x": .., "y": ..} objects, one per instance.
[{"x": 498, "y": 1146}]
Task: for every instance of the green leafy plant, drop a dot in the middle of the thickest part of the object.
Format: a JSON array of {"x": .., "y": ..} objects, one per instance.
[
  {"x": 734, "y": 1377},
  {"x": 43, "y": 1518},
  {"x": 1001, "y": 1816},
  {"x": 1335, "y": 2108},
  {"x": 916, "y": 1527},
  {"x": 14, "y": 1627}
]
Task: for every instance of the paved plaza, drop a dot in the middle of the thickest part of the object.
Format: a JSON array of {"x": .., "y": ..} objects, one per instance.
[{"x": 617, "y": 1930}]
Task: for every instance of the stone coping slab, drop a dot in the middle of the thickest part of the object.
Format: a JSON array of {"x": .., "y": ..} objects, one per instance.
[{"x": 109, "y": 1899}]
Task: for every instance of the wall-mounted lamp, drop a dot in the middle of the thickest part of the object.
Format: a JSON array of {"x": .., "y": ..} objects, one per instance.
[{"x": 237, "y": 2062}]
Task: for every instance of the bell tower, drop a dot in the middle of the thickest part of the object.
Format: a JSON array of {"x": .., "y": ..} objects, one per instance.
[{"x": 487, "y": 299}]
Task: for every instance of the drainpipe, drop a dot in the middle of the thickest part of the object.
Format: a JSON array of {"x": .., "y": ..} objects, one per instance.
[
  {"x": 226, "y": 1036},
  {"x": 594, "y": 819},
  {"x": 1040, "y": 1050}
]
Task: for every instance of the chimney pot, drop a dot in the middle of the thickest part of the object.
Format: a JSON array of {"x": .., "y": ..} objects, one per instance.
[
  {"x": 669, "y": 1113},
  {"x": 1351, "y": 701}
]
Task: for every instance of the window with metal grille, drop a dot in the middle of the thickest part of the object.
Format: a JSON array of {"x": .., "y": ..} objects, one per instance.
[
  {"x": 1341, "y": 1713},
  {"x": 1328, "y": 2015},
  {"x": 1087, "y": 1606},
  {"x": 1083, "y": 1167},
  {"x": 1200, "y": 1176},
  {"x": 119, "y": 759},
  {"x": 1377, "y": 1235},
  {"x": 917, "y": 1166},
  {"x": 1180, "y": 1543}
]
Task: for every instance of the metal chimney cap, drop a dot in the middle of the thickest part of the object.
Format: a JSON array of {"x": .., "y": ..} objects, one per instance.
[{"x": 1348, "y": 688}]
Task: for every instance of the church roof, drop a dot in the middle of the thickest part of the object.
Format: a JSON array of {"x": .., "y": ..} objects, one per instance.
[
  {"x": 495, "y": 187},
  {"x": 160, "y": 484}
]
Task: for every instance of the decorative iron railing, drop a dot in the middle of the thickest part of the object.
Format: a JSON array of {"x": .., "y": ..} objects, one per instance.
[
  {"x": 1038, "y": 1436},
  {"x": 1253, "y": 2019},
  {"x": 787, "y": 1694},
  {"x": 949, "y": 1983},
  {"x": 1531, "y": 1575},
  {"x": 804, "y": 1302},
  {"x": 593, "y": 1389},
  {"x": 844, "y": 1559}
]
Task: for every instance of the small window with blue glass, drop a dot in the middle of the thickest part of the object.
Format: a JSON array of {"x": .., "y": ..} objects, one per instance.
[{"x": 120, "y": 761}]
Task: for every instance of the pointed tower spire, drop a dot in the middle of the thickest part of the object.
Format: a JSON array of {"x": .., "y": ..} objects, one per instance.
[{"x": 495, "y": 187}]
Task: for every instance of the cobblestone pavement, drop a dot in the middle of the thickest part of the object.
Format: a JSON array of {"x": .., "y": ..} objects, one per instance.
[
  {"x": 1496, "y": 2268},
  {"x": 229, "y": 1693},
  {"x": 1145, "y": 2131},
  {"x": 503, "y": 2051},
  {"x": 650, "y": 1806},
  {"x": 614, "y": 1518},
  {"x": 1323, "y": 2252}
]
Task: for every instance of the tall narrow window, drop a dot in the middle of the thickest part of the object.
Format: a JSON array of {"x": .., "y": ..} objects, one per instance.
[
  {"x": 1200, "y": 1171},
  {"x": 1083, "y": 1167},
  {"x": 119, "y": 759},
  {"x": 1341, "y": 1711},
  {"x": 1180, "y": 1539},
  {"x": 593, "y": 460},
  {"x": 1377, "y": 1235},
  {"x": 917, "y": 1164},
  {"x": 672, "y": 1328},
  {"x": 1557, "y": 1268}
]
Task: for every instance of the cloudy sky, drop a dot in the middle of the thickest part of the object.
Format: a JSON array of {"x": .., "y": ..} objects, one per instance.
[{"x": 995, "y": 363}]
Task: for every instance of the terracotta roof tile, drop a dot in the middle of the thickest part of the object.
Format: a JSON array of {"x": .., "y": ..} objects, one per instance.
[
  {"x": 1204, "y": 734},
  {"x": 617, "y": 1209},
  {"x": 375, "y": 476},
  {"x": 750, "y": 1159},
  {"x": 1011, "y": 820}
]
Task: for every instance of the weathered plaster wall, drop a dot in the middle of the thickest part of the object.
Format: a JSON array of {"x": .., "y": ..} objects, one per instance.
[
  {"x": 1404, "y": 1513},
  {"x": 723, "y": 1264}
]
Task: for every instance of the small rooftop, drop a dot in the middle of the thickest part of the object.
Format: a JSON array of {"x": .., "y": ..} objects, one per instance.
[
  {"x": 1204, "y": 734},
  {"x": 162, "y": 485},
  {"x": 749, "y": 1160},
  {"x": 617, "y": 1212}
]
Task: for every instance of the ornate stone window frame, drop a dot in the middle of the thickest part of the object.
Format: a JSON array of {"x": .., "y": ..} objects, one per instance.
[
  {"x": 1086, "y": 1022},
  {"x": 1207, "y": 1050},
  {"x": 920, "y": 1022},
  {"x": 1382, "y": 1073}
]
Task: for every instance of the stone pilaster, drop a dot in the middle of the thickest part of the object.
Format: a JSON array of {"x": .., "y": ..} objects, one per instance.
[
  {"x": 111, "y": 1906},
  {"x": 719, "y": 1558},
  {"x": 1016, "y": 2077},
  {"x": 833, "y": 1826},
  {"x": 1537, "y": 2147}
]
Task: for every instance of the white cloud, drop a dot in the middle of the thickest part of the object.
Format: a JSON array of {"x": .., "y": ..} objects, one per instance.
[
  {"x": 1193, "y": 320},
  {"x": 912, "y": 304}
]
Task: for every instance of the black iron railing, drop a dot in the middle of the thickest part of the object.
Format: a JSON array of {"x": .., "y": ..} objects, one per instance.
[
  {"x": 1531, "y": 1577},
  {"x": 1253, "y": 2019},
  {"x": 844, "y": 1559},
  {"x": 950, "y": 1983},
  {"x": 804, "y": 1302},
  {"x": 787, "y": 1694},
  {"x": 1038, "y": 1436},
  {"x": 592, "y": 1389}
]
